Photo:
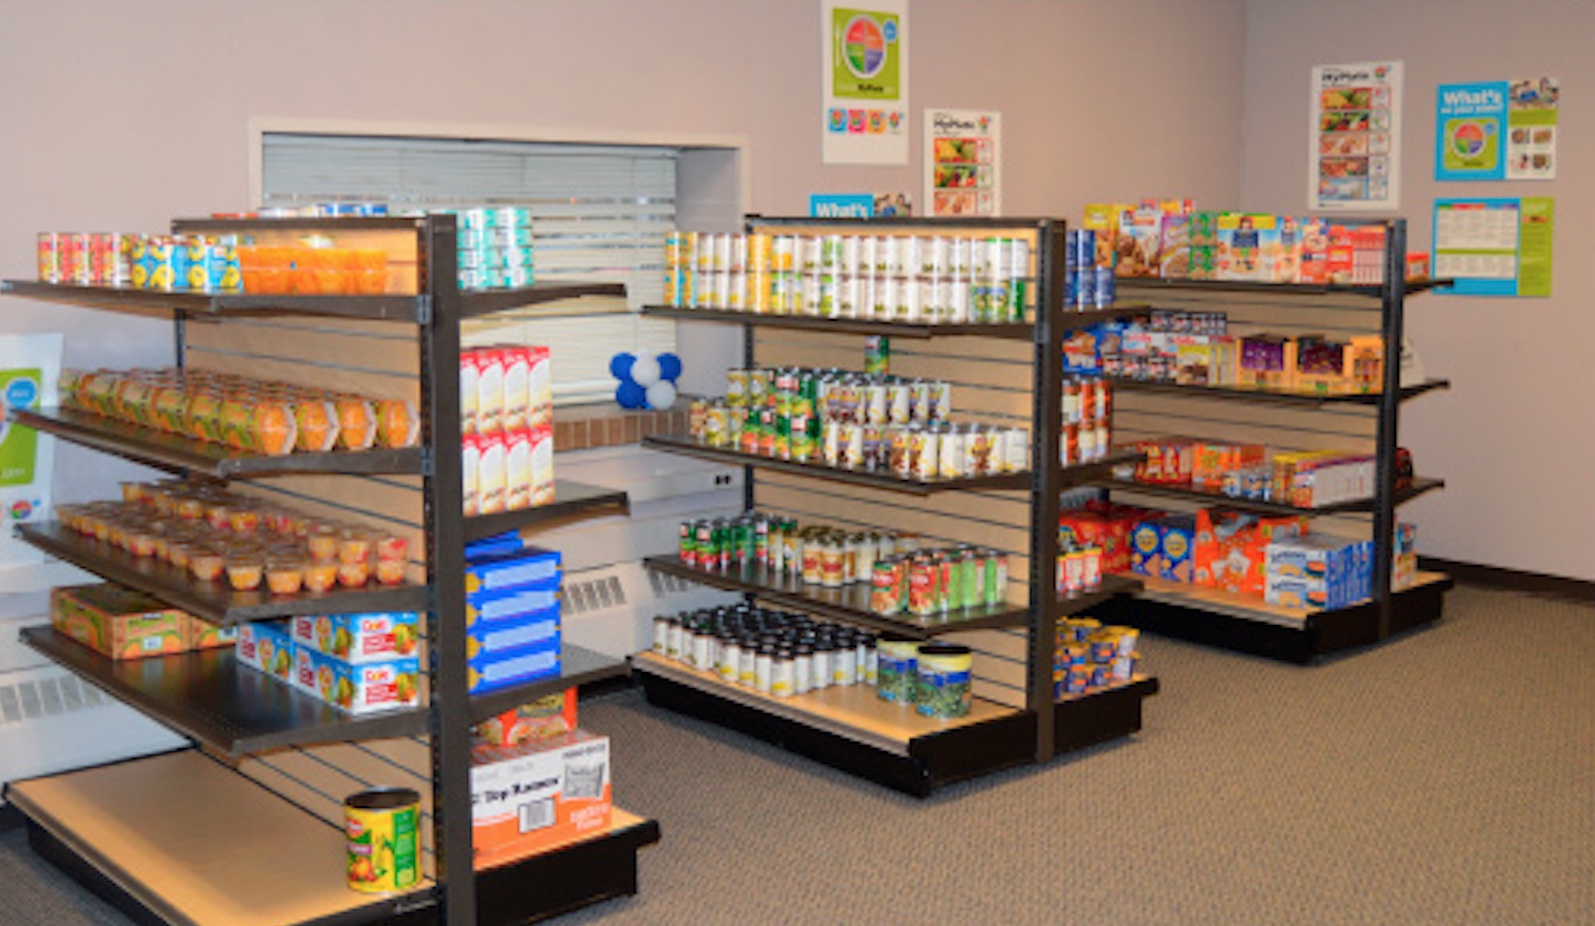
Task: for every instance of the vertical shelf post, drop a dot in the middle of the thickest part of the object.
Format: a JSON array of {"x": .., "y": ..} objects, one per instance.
[
  {"x": 445, "y": 566},
  {"x": 1384, "y": 518},
  {"x": 1044, "y": 488}
]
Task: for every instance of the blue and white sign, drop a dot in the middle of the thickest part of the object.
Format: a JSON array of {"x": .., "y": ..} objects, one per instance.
[
  {"x": 841, "y": 205},
  {"x": 1470, "y": 131}
]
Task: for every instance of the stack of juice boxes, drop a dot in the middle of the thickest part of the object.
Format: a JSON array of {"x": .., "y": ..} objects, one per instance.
[
  {"x": 507, "y": 425},
  {"x": 495, "y": 247},
  {"x": 512, "y": 612},
  {"x": 358, "y": 663}
]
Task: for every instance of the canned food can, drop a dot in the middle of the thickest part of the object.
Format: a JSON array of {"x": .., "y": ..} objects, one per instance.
[
  {"x": 1087, "y": 444},
  {"x": 869, "y": 256},
  {"x": 808, "y": 254},
  {"x": 941, "y": 400},
  {"x": 970, "y": 569},
  {"x": 831, "y": 445},
  {"x": 1106, "y": 289},
  {"x": 942, "y": 680},
  {"x": 850, "y": 296},
  {"x": 951, "y": 462},
  {"x": 850, "y": 256},
  {"x": 960, "y": 303},
  {"x": 808, "y": 303},
  {"x": 49, "y": 252},
  {"x": 1016, "y": 451},
  {"x": 919, "y": 401},
  {"x": 924, "y": 451},
  {"x": 981, "y": 451},
  {"x": 873, "y": 402},
  {"x": 383, "y": 840},
  {"x": 851, "y": 449},
  {"x": 784, "y": 292},
  {"x": 877, "y": 354},
  {"x": 900, "y": 402},
  {"x": 896, "y": 665},
  {"x": 736, "y": 291},
  {"x": 1085, "y": 249},
  {"x": 901, "y": 462},
  {"x": 724, "y": 246},
  {"x": 994, "y": 588},
  {"x": 736, "y": 388},
  {"x": 833, "y": 568},
  {"x": 938, "y": 258},
  {"x": 888, "y": 298}
]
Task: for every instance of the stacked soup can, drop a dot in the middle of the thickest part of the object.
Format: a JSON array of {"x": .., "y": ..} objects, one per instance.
[
  {"x": 85, "y": 258},
  {"x": 495, "y": 247},
  {"x": 1087, "y": 433},
  {"x": 1090, "y": 656},
  {"x": 917, "y": 279}
]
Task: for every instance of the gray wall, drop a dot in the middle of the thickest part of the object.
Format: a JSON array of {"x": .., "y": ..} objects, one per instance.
[{"x": 1515, "y": 435}]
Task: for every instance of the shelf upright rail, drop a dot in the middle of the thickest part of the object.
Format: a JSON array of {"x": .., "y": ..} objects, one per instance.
[
  {"x": 444, "y": 517},
  {"x": 1393, "y": 296},
  {"x": 1044, "y": 465}
]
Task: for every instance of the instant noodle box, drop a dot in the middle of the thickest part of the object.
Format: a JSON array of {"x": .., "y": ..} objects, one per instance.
[
  {"x": 545, "y": 718},
  {"x": 497, "y": 670},
  {"x": 359, "y": 638},
  {"x": 266, "y": 646},
  {"x": 495, "y": 573},
  {"x": 119, "y": 622},
  {"x": 537, "y": 795}
]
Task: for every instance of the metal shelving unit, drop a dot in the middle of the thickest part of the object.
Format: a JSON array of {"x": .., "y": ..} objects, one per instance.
[
  {"x": 238, "y": 713},
  {"x": 1218, "y": 618},
  {"x": 852, "y": 729}
]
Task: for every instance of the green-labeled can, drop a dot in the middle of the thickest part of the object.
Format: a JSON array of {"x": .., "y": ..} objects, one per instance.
[
  {"x": 383, "y": 830},
  {"x": 941, "y": 684}
]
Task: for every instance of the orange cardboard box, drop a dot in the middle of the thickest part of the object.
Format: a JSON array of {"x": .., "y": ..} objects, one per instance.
[
  {"x": 118, "y": 622},
  {"x": 541, "y": 794}
]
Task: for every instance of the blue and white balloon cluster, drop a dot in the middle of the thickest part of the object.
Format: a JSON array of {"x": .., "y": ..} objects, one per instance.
[{"x": 647, "y": 380}]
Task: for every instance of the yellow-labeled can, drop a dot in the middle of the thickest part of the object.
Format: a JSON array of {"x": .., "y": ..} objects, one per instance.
[{"x": 383, "y": 827}]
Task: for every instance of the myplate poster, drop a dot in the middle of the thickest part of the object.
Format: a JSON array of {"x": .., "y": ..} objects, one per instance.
[
  {"x": 864, "y": 70},
  {"x": 29, "y": 366},
  {"x": 1354, "y": 154},
  {"x": 963, "y": 170},
  {"x": 1496, "y": 130}
]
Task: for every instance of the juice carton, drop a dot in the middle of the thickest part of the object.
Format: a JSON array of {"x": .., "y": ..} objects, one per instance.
[
  {"x": 536, "y": 795},
  {"x": 545, "y": 718},
  {"x": 359, "y": 638},
  {"x": 117, "y": 621}
]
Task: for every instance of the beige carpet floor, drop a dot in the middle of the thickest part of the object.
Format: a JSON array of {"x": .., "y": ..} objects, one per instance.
[{"x": 1447, "y": 777}]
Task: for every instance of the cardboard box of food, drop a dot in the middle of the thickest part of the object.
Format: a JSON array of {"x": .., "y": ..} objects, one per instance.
[
  {"x": 205, "y": 635},
  {"x": 377, "y": 636},
  {"x": 545, "y": 718},
  {"x": 266, "y": 646},
  {"x": 117, "y": 621},
  {"x": 542, "y": 793}
]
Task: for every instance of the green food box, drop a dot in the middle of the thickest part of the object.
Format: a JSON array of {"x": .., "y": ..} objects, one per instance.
[{"x": 118, "y": 621}]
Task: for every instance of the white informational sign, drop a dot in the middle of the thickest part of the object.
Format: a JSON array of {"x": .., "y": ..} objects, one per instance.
[
  {"x": 864, "y": 72},
  {"x": 963, "y": 163},
  {"x": 29, "y": 367},
  {"x": 1354, "y": 152}
]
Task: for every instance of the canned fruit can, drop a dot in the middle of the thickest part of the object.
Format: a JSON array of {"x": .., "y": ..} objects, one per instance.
[
  {"x": 50, "y": 257},
  {"x": 382, "y": 828}
]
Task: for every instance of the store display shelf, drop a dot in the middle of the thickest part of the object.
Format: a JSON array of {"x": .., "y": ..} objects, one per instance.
[
  {"x": 1158, "y": 284},
  {"x": 181, "y": 839},
  {"x": 1082, "y": 473},
  {"x": 1420, "y": 486},
  {"x": 176, "y": 453},
  {"x": 574, "y": 874},
  {"x": 1111, "y": 586},
  {"x": 212, "y": 601},
  {"x": 851, "y": 728},
  {"x": 851, "y": 603},
  {"x": 1250, "y": 625},
  {"x": 247, "y": 224},
  {"x": 578, "y": 667},
  {"x": 384, "y": 307},
  {"x": 206, "y": 694},
  {"x": 1082, "y": 721},
  {"x": 689, "y": 447},
  {"x": 487, "y": 301},
  {"x": 1250, "y": 394},
  {"x": 571, "y": 500},
  {"x": 1013, "y": 330}
]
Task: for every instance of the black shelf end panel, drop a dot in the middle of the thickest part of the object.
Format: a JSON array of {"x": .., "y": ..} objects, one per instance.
[
  {"x": 1288, "y": 397},
  {"x": 571, "y": 500},
  {"x": 849, "y": 603},
  {"x": 1082, "y": 721},
  {"x": 383, "y": 307},
  {"x": 931, "y": 761},
  {"x": 206, "y": 694},
  {"x": 688, "y": 447},
  {"x": 1421, "y": 485},
  {"x": 567, "y": 878},
  {"x": 212, "y": 601},
  {"x": 1112, "y": 586},
  {"x": 578, "y": 667},
  {"x": 487, "y": 301},
  {"x": 176, "y": 453}
]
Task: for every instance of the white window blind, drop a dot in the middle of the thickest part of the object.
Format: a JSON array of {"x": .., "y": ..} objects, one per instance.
[{"x": 599, "y": 212}]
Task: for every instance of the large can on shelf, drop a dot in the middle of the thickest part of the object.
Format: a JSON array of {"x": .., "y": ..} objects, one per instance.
[
  {"x": 384, "y": 840},
  {"x": 942, "y": 682}
]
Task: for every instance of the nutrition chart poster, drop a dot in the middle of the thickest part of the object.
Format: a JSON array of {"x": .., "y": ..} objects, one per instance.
[
  {"x": 1497, "y": 130},
  {"x": 963, "y": 167},
  {"x": 1354, "y": 153},
  {"x": 29, "y": 367},
  {"x": 864, "y": 71},
  {"x": 1496, "y": 246}
]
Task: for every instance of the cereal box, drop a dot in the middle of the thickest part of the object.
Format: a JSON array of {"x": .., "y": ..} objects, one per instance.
[
  {"x": 1247, "y": 246},
  {"x": 118, "y": 622},
  {"x": 1139, "y": 243},
  {"x": 539, "y": 794},
  {"x": 1103, "y": 219},
  {"x": 1174, "y": 253},
  {"x": 545, "y": 718}
]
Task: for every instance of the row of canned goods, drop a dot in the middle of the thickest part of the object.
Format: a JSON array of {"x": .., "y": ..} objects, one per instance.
[
  {"x": 168, "y": 263},
  {"x": 1089, "y": 656},
  {"x": 921, "y": 452},
  {"x": 1086, "y": 284},
  {"x": 837, "y": 395},
  {"x": 782, "y": 654},
  {"x": 1087, "y": 433},
  {"x": 895, "y": 256},
  {"x": 911, "y": 300}
]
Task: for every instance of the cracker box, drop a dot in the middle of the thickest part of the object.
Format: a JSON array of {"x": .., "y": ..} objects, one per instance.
[
  {"x": 1176, "y": 543},
  {"x": 117, "y": 621},
  {"x": 483, "y": 608},
  {"x": 266, "y": 646},
  {"x": 499, "y": 637},
  {"x": 537, "y": 795},
  {"x": 1103, "y": 220},
  {"x": 1140, "y": 241},
  {"x": 205, "y": 635},
  {"x": 545, "y": 718},
  {"x": 369, "y": 688},
  {"x": 525, "y": 567},
  {"x": 1313, "y": 265},
  {"x": 359, "y": 638},
  {"x": 489, "y": 672}
]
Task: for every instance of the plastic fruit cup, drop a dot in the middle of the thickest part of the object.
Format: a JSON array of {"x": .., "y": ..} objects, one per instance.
[
  {"x": 219, "y": 517},
  {"x": 322, "y": 542},
  {"x": 354, "y": 575},
  {"x": 179, "y": 553},
  {"x": 244, "y": 575},
  {"x": 141, "y": 542},
  {"x": 354, "y": 547},
  {"x": 190, "y": 509},
  {"x": 285, "y": 577},
  {"x": 320, "y": 577},
  {"x": 390, "y": 571},
  {"x": 135, "y": 492},
  {"x": 243, "y": 520},
  {"x": 206, "y": 565},
  {"x": 393, "y": 548}
]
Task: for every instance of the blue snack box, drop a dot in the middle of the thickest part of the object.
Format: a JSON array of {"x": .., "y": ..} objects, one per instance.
[
  {"x": 495, "y": 573},
  {"x": 514, "y": 667},
  {"x": 500, "y": 637},
  {"x": 511, "y": 603},
  {"x": 494, "y": 546}
]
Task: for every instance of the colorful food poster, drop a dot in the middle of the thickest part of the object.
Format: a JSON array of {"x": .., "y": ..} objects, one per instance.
[
  {"x": 864, "y": 71},
  {"x": 963, "y": 166},
  {"x": 841, "y": 205},
  {"x": 1495, "y": 247},
  {"x": 29, "y": 366},
  {"x": 1354, "y": 154},
  {"x": 1496, "y": 130}
]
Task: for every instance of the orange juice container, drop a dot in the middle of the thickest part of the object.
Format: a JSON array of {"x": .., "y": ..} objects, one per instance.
[
  {"x": 517, "y": 469},
  {"x": 357, "y": 422},
  {"x": 491, "y": 477},
  {"x": 317, "y": 423},
  {"x": 470, "y": 465},
  {"x": 539, "y": 388},
  {"x": 398, "y": 424},
  {"x": 469, "y": 378},
  {"x": 542, "y": 466},
  {"x": 517, "y": 373},
  {"x": 489, "y": 390}
]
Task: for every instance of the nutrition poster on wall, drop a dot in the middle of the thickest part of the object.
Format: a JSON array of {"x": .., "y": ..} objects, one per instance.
[
  {"x": 1496, "y": 246},
  {"x": 29, "y": 366},
  {"x": 1497, "y": 130},
  {"x": 1354, "y": 154},
  {"x": 963, "y": 167},
  {"x": 864, "y": 69}
]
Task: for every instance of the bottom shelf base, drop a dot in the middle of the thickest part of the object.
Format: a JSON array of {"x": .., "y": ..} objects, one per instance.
[
  {"x": 1316, "y": 634},
  {"x": 576, "y": 875},
  {"x": 1102, "y": 716}
]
